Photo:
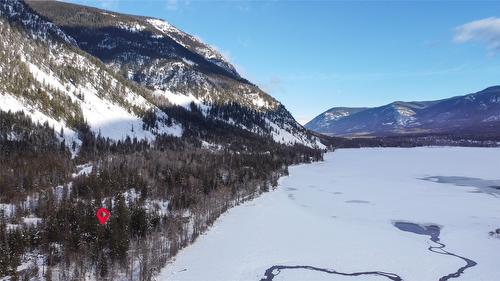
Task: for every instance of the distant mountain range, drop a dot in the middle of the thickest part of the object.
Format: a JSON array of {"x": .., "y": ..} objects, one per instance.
[{"x": 477, "y": 113}]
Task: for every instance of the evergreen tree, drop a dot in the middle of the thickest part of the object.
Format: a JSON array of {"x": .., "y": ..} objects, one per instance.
[
  {"x": 119, "y": 227},
  {"x": 4, "y": 248}
]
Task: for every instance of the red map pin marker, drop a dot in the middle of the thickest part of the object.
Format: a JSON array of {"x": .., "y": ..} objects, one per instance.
[{"x": 102, "y": 215}]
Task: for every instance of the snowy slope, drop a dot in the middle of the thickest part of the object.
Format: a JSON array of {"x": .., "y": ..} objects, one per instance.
[
  {"x": 192, "y": 43},
  {"x": 52, "y": 69},
  {"x": 104, "y": 116},
  {"x": 80, "y": 65},
  {"x": 325, "y": 119}
]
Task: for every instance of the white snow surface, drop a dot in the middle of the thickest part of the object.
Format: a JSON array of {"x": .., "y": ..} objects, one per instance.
[
  {"x": 338, "y": 214},
  {"x": 492, "y": 118},
  {"x": 181, "y": 99},
  {"x": 105, "y": 117},
  {"x": 282, "y": 135},
  {"x": 258, "y": 101},
  {"x": 132, "y": 27},
  {"x": 13, "y": 104},
  {"x": 333, "y": 116},
  {"x": 84, "y": 169},
  {"x": 8, "y": 210},
  {"x": 32, "y": 220}
]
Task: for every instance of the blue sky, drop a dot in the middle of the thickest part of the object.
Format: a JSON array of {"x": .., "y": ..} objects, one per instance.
[{"x": 313, "y": 55}]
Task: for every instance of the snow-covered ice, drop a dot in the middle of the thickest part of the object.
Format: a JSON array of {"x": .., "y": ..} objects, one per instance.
[{"x": 315, "y": 218}]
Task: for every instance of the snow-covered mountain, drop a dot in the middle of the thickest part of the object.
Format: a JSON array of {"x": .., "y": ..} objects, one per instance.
[
  {"x": 120, "y": 75},
  {"x": 475, "y": 113},
  {"x": 46, "y": 76},
  {"x": 331, "y": 115},
  {"x": 99, "y": 109}
]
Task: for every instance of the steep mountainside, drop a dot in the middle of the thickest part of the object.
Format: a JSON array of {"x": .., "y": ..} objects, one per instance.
[
  {"x": 124, "y": 76},
  {"x": 175, "y": 66},
  {"x": 476, "y": 113},
  {"x": 45, "y": 75}
]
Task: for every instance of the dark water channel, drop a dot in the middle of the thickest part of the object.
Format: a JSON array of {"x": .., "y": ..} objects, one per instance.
[{"x": 431, "y": 230}]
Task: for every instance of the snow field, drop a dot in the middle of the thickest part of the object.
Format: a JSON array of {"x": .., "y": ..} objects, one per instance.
[{"x": 338, "y": 215}]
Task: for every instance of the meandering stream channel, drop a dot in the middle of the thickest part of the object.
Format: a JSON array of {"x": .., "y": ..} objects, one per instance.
[
  {"x": 381, "y": 214},
  {"x": 431, "y": 230}
]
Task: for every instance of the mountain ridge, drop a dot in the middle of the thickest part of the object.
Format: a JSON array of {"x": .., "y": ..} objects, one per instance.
[
  {"x": 476, "y": 112},
  {"x": 140, "y": 65}
]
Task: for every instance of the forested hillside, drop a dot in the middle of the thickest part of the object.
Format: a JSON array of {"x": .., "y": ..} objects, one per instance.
[
  {"x": 82, "y": 129},
  {"x": 161, "y": 197}
]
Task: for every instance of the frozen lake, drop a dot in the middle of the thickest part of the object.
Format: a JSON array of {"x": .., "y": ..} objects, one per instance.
[{"x": 419, "y": 214}]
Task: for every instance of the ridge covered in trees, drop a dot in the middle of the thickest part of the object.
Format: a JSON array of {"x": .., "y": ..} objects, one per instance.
[{"x": 161, "y": 196}]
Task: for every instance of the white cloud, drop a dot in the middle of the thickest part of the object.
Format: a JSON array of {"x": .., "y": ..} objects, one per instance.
[{"x": 485, "y": 31}]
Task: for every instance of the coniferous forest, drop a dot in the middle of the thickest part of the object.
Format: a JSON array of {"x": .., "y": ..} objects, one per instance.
[
  {"x": 161, "y": 196},
  {"x": 189, "y": 164}
]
